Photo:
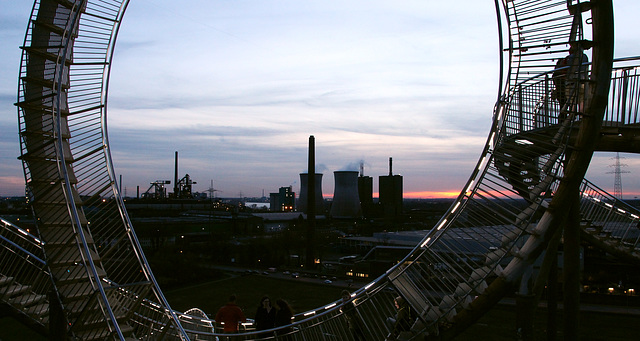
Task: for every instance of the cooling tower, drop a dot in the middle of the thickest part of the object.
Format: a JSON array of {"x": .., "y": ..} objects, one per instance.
[
  {"x": 302, "y": 200},
  {"x": 346, "y": 200}
]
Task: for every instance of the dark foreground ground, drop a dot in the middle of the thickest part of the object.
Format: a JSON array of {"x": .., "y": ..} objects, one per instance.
[{"x": 498, "y": 324}]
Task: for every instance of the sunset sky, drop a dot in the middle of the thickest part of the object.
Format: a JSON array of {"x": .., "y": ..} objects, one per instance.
[{"x": 237, "y": 88}]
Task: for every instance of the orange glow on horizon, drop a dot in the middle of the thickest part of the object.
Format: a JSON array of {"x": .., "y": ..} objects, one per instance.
[
  {"x": 415, "y": 195},
  {"x": 431, "y": 195},
  {"x": 454, "y": 194}
]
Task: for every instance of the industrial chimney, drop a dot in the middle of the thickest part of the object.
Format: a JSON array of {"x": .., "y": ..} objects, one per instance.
[
  {"x": 346, "y": 200},
  {"x": 390, "y": 196},
  {"x": 176, "y": 188},
  {"x": 304, "y": 193}
]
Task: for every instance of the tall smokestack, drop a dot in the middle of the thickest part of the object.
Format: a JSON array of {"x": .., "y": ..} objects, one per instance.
[
  {"x": 311, "y": 204},
  {"x": 390, "y": 166},
  {"x": 175, "y": 178},
  {"x": 311, "y": 171},
  {"x": 346, "y": 200}
]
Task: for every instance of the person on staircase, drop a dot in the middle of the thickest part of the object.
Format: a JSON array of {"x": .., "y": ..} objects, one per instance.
[
  {"x": 403, "y": 320},
  {"x": 569, "y": 79}
]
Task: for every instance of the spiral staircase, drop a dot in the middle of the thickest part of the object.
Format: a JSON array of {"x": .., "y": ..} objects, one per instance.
[{"x": 82, "y": 274}]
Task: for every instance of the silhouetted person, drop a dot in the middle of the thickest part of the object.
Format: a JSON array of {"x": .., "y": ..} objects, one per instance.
[
  {"x": 577, "y": 74},
  {"x": 559, "y": 78},
  {"x": 230, "y": 316},
  {"x": 569, "y": 78},
  {"x": 402, "y": 321},
  {"x": 265, "y": 316},
  {"x": 284, "y": 314}
]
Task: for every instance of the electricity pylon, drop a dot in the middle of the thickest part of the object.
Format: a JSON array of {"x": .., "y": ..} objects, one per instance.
[{"x": 617, "y": 171}]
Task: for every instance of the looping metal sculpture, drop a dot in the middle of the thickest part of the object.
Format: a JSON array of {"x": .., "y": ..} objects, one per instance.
[{"x": 93, "y": 281}]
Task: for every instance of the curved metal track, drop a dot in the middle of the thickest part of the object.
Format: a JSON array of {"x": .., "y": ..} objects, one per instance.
[{"x": 528, "y": 175}]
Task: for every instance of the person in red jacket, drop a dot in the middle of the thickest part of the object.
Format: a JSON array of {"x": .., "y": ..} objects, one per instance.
[{"x": 230, "y": 316}]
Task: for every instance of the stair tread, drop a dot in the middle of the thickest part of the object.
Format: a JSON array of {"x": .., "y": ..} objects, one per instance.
[
  {"x": 5, "y": 280},
  {"x": 26, "y": 300},
  {"x": 75, "y": 291},
  {"x": 74, "y": 273},
  {"x": 14, "y": 289},
  {"x": 38, "y": 310},
  {"x": 72, "y": 256}
]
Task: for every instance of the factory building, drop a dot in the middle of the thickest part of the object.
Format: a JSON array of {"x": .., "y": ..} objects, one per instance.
[
  {"x": 365, "y": 193},
  {"x": 391, "y": 194},
  {"x": 283, "y": 201}
]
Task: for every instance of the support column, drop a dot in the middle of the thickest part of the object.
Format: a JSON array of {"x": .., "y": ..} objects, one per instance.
[
  {"x": 548, "y": 275},
  {"x": 572, "y": 271},
  {"x": 525, "y": 306},
  {"x": 552, "y": 299},
  {"x": 57, "y": 321}
]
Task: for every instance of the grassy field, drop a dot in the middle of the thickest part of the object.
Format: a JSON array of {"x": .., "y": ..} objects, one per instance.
[{"x": 250, "y": 288}]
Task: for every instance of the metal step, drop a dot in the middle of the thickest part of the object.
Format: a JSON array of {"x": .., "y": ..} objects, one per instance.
[
  {"x": 66, "y": 3},
  {"x": 13, "y": 290},
  {"x": 52, "y": 28},
  {"x": 75, "y": 291},
  {"x": 102, "y": 333},
  {"x": 38, "y": 311},
  {"x": 45, "y": 53},
  {"x": 73, "y": 274},
  {"x": 5, "y": 280},
  {"x": 494, "y": 256},
  {"x": 27, "y": 300},
  {"x": 45, "y": 83},
  {"x": 69, "y": 255}
]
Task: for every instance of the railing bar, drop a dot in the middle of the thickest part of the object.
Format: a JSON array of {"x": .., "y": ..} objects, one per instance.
[{"x": 23, "y": 250}]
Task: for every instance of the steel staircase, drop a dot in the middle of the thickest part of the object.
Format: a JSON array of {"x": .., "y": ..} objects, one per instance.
[
  {"x": 62, "y": 80},
  {"x": 68, "y": 243}
]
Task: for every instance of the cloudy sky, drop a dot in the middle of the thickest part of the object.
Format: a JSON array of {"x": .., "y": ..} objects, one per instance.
[{"x": 237, "y": 88}]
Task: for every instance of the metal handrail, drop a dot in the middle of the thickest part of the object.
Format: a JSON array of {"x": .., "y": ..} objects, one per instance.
[
  {"x": 24, "y": 242},
  {"x": 615, "y": 219},
  {"x": 22, "y": 259},
  {"x": 624, "y": 97}
]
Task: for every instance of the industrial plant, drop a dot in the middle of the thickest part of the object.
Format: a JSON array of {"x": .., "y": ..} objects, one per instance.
[
  {"x": 353, "y": 194},
  {"x": 184, "y": 219},
  {"x": 356, "y": 234}
]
